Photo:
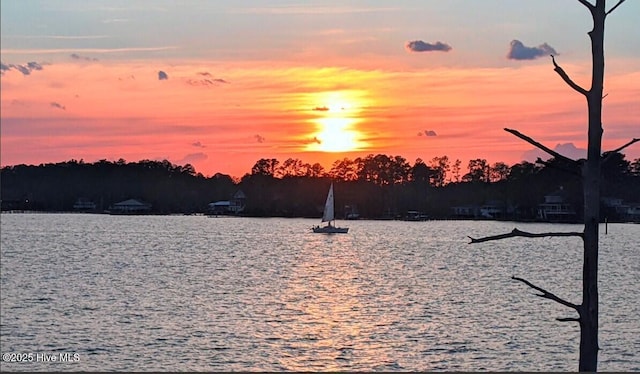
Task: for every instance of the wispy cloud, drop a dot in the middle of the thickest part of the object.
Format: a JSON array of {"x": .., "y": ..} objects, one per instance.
[
  {"x": 297, "y": 9},
  {"x": 420, "y": 46},
  {"x": 4, "y": 67},
  {"x": 145, "y": 7},
  {"x": 209, "y": 81},
  {"x": 519, "y": 51},
  {"x": 60, "y": 37},
  {"x": 565, "y": 149},
  {"x": 25, "y": 69},
  {"x": 57, "y": 105},
  {"x": 115, "y": 20},
  {"x": 192, "y": 158},
  {"x": 86, "y": 50},
  {"x": 76, "y": 56},
  {"x": 427, "y": 133}
]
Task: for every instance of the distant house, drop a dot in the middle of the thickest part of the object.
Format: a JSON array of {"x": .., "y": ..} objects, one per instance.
[
  {"x": 616, "y": 209},
  {"x": 465, "y": 212},
  {"x": 84, "y": 205},
  {"x": 131, "y": 206},
  {"x": 414, "y": 215},
  {"x": 228, "y": 207},
  {"x": 221, "y": 207},
  {"x": 633, "y": 213},
  {"x": 351, "y": 212},
  {"x": 611, "y": 202},
  {"x": 556, "y": 208},
  {"x": 493, "y": 209},
  {"x": 13, "y": 204}
]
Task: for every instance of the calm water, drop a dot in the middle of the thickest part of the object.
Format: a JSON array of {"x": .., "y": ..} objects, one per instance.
[{"x": 209, "y": 294}]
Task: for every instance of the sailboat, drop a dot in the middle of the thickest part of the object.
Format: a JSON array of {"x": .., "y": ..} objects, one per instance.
[{"x": 329, "y": 216}]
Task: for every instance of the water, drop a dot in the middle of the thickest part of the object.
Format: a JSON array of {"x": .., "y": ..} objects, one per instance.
[{"x": 192, "y": 293}]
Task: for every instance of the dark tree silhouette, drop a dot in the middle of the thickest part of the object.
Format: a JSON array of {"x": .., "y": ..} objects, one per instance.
[
  {"x": 440, "y": 167},
  {"x": 478, "y": 171},
  {"x": 265, "y": 166},
  {"x": 344, "y": 169},
  {"x": 590, "y": 172},
  {"x": 298, "y": 189}
]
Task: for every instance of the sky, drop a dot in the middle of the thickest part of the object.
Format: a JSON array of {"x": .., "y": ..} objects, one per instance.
[{"x": 222, "y": 84}]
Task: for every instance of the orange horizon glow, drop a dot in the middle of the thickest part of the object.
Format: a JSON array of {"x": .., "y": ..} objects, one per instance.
[{"x": 225, "y": 122}]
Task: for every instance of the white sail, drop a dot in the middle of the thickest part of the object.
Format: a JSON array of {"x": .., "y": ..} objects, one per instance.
[{"x": 328, "y": 214}]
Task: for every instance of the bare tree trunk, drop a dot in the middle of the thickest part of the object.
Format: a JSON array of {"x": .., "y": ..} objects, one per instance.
[
  {"x": 588, "y": 310},
  {"x": 591, "y": 184}
]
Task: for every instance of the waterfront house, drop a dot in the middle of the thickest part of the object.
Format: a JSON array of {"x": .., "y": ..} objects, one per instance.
[
  {"x": 493, "y": 209},
  {"x": 228, "y": 207},
  {"x": 556, "y": 208},
  {"x": 465, "y": 212},
  {"x": 616, "y": 209},
  {"x": 414, "y": 215},
  {"x": 131, "y": 206}
]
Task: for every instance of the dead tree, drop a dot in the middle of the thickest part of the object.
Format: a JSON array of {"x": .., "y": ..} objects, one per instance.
[{"x": 590, "y": 174}]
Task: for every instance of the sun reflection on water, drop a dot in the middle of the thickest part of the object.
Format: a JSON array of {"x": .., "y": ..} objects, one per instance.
[
  {"x": 335, "y": 323},
  {"x": 227, "y": 294}
]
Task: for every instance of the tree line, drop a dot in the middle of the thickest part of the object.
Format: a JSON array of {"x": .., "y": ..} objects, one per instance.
[{"x": 377, "y": 186}]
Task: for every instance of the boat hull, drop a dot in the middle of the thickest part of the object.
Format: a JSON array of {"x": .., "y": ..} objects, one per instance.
[{"x": 330, "y": 230}]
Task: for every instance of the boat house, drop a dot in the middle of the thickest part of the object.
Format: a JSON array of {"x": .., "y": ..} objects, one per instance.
[
  {"x": 131, "y": 206},
  {"x": 228, "y": 207}
]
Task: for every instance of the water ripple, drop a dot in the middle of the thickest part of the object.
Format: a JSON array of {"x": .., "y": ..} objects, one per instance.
[{"x": 189, "y": 293}]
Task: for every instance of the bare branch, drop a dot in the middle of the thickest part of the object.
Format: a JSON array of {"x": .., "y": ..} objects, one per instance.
[
  {"x": 566, "y": 78},
  {"x": 548, "y": 295},
  {"x": 525, "y": 234},
  {"x": 610, "y": 153},
  {"x": 614, "y": 7},
  {"x": 569, "y": 319},
  {"x": 587, "y": 4},
  {"x": 536, "y": 144}
]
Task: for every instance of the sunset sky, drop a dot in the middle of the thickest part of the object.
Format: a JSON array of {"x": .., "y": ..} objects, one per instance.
[{"x": 221, "y": 84}]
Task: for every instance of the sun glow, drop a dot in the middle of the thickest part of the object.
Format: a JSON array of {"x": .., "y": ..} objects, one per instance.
[
  {"x": 336, "y": 122},
  {"x": 336, "y": 135}
]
